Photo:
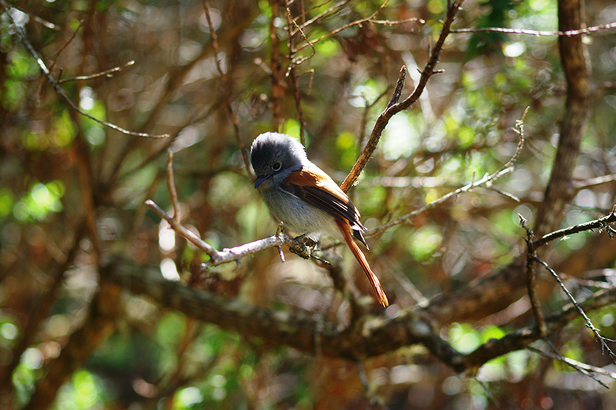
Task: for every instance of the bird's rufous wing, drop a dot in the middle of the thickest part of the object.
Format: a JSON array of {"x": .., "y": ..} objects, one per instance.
[{"x": 316, "y": 188}]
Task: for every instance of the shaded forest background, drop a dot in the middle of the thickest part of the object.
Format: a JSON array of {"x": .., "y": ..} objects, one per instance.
[{"x": 104, "y": 306}]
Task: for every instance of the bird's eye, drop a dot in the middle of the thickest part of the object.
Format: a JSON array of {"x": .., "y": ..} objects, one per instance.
[{"x": 276, "y": 166}]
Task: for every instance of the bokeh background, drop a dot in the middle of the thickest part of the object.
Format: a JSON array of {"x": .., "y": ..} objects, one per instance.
[{"x": 72, "y": 195}]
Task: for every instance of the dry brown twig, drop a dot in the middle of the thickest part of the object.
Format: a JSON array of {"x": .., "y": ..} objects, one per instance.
[
  {"x": 228, "y": 254},
  {"x": 320, "y": 16},
  {"x": 291, "y": 75},
  {"x": 107, "y": 73},
  {"x": 369, "y": 19},
  {"x": 57, "y": 85},
  {"x": 301, "y": 28},
  {"x": 227, "y": 86},
  {"x": 393, "y": 109},
  {"x": 66, "y": 44},
  {"x": 532, "y": 258},
  {"x": 538, "y": 33},
  {"x": 486, "y": 181},
  {"x": 531, "y": 277}
]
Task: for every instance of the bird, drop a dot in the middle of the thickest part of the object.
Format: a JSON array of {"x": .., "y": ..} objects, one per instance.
[{"x": 306, "y": 199}]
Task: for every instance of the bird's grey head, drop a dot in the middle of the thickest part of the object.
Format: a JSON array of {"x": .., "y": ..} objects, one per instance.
[{"x": 275, "y": 156}]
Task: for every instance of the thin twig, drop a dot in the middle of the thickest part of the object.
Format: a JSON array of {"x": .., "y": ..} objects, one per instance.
[
  {"x": 39, "y": 20},
  {"x": 594, "y": 182},
  {"x": 171, "y": 188},
  {"x": 107, "y": 73},
  {"x": 275, "y": 69},
  {"x": 531, "y": 278},
  {"x": 568, "y": 33},
  {"x": 601, "y": 223},
  {"x": 469, "y": 187},
  {"x": 399, "y": 87},
  {"x": 60, "y": 91},
  {"x": 583, "y": 368},
  {"x": 359, "y": 22},
  {"x": 521, "y": 338},
  {"x": 292, "y": 51},
  {"x": 227, "y": 84},
  {"x": 293, "y": 77},
  {"x": 69, "y": 41},
  {"x": 323, "y": 14},
  {"x": 603, "y": 340},
  {"x": 386, "y": 115},
  {"x": 364, "y": 118},
  {"x": 487, "y": 180},
  {"x": 228, "y": 254},
  {"x": 592, "y": 283}
]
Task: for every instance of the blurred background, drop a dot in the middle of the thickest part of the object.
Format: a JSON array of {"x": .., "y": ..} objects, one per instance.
[{"x": 72, "y": 193}]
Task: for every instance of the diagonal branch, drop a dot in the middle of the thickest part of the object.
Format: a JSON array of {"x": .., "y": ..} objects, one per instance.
[
  {"x": 522, "y": 338},
  {"x": 603, "y": 340},
  {"x": 226, "y": 255},
  {"x": 601, "y": 223},
  {"x": 487, "y": 180},
  {"x": 392, "y": 110}
]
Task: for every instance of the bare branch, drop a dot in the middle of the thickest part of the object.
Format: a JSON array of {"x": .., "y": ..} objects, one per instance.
[
  {"x": 323, "y": 14},
  {"x": 386, "y": 115},
  {"x": 60, "y": 91},
  {"x": 522, "y": 338},
  {"x": 601, "y": 223},
  {"x": 107, "y": 73},
  {"x": 405, "y": 218},
  {"x": 291, "y": 74},
  {"x": 537, "y": 33},
  {"x": 225, "y": 80},
  {"x": 368, "y": 337},
  {"x": 487, "y": 180},
  {"x": 603, "y": 340},
  {"x": 583, "y": 368},
  {"x": 39, "y": 20},
  {"x": 531, "y": 277},
  {"x": 339, "y": 29},
  {"x": 399, "y": 87},
  {"x": 594, "y": 182},
  {"x": 228, "y": 254}
]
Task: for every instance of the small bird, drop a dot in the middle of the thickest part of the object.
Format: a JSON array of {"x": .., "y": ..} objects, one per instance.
[{"x": 305, "y": 198}]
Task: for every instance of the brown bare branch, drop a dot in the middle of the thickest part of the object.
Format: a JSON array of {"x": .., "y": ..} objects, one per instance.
[
  {"x": 60, "y": 91},
  {"x": 392, "y": 110},
  {"x": 225, "y": 80},
  {"x": 538, "y": 33}
]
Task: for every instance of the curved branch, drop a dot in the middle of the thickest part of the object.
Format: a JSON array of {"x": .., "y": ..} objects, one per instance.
[
  {"x": 521, "y": 338},
  {"x": 368, "y": 336}
]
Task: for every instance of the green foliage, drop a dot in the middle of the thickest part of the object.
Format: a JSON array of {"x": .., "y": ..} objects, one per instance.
[
  {"x": 39, "y": 202},
  {"x": 459, "y": 131},
  {"x": 489, "y": 43},
  {"x": 84, "y": 392},
  {"x": 424, "y": 242},
  {"x": 466, "y": 338}
]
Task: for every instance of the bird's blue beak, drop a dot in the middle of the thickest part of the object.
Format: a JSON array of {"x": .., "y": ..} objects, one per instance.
[{"x": 260, "y": 180}]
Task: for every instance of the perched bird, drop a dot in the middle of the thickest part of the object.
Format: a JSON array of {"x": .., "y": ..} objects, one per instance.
[{"x": 306, "y": 199}]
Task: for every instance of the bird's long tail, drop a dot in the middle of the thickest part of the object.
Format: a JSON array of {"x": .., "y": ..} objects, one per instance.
[{"x": 361, "y": 258}]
